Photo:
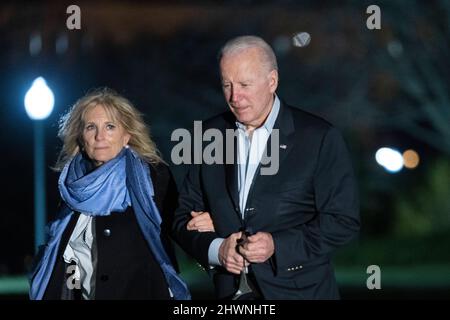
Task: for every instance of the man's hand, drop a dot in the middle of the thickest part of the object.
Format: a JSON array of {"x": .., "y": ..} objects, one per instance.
[
  {"x": 258, "y": 247},
  {"x": 229, "y": 258},
  {"x": 201, "y": 221}
]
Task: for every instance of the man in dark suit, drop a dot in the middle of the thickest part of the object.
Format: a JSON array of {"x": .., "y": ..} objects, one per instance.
[{"x": 294, "y": 217}]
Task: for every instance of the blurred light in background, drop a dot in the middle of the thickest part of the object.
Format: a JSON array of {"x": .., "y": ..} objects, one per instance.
[
  {"x": 35, "y": 43},
  {"x": 301, "y": 39},
  {"x": 395, "y": 48},
  {"x": 62, "y": 43},
  {"x": 390, "y": 159},
  {"x": 410, "y": 159},
  {"x": 281, "y": 44},
  {"x": 39, "y": 102}
]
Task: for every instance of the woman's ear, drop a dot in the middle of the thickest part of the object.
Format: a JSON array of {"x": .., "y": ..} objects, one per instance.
[
  {"x": 80, "y": 145},
  {"x": 126, "y": 139}
]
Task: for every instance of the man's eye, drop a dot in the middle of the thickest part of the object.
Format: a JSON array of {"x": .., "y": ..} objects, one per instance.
[{"x": 225, "y": 85}]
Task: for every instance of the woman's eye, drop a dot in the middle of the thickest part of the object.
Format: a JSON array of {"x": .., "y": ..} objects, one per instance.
[
  {"x": 110, "y": 126},
  {"x": 89, "y": 127}
]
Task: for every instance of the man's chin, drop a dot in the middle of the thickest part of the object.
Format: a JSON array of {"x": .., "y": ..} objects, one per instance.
[
  {"x": 242, "y": 120},
  {"x": 241, "y": 117}
]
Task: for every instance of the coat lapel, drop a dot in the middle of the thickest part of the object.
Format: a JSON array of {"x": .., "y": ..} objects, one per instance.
[
  {"x": 285, "y": 126},
  {"x": 231, "y": 169}
]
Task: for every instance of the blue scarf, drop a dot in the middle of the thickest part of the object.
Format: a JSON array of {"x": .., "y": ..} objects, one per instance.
[{"x": 112, "y": 187}]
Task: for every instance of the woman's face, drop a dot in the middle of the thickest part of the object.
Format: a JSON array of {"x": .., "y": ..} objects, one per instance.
[{"x": 102, "y": 136}]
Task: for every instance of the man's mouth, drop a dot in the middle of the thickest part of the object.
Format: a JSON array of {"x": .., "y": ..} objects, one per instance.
[{"x": 238, "y": 108}]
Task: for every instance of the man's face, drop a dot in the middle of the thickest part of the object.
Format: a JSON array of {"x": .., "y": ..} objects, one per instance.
[{"x": 248, "y": 86}]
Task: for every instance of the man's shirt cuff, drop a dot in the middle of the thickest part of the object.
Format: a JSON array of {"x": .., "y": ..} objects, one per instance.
[{"x": 213, "y": 252}]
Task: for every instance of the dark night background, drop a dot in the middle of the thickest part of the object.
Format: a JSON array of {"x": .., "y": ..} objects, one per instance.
[{"x": 387, "y": 87}]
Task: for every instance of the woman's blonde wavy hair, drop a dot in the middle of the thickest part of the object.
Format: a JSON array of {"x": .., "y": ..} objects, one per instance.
[{"x": 71, "y": 126}]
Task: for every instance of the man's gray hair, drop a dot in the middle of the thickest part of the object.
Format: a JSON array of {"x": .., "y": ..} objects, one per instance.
[{"x": 238, "y": 44}]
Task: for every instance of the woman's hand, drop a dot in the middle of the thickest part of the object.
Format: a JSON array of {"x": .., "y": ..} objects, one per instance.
[{"x": 201, "y": 221}]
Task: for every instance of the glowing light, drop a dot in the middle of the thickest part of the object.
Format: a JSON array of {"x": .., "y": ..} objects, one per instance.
[
  {"x": 390, "y": 159},
  {"x": 411, "y": 159},
  {"x": 39, "y": 100}
]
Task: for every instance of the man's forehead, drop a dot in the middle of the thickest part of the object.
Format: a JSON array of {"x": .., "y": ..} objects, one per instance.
[
  {"x": 242, "y": 71},
  {"x": 243, "y": 54}
]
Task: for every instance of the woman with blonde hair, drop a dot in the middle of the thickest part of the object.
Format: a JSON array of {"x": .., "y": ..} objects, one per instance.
[{"x": 109, "y": 239}]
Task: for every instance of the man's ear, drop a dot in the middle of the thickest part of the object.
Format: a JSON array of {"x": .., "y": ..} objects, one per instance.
[{"x": 273, "y": 81}]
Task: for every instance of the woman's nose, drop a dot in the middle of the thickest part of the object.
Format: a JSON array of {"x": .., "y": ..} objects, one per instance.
[{"x": 100, "y": 134}]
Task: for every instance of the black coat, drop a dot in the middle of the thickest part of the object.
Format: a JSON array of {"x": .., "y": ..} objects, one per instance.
[
  {"x": 126, "y": 268},
  {"x": 310, "y": 207}
]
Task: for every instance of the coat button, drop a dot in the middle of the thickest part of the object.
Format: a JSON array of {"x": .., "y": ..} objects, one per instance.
[
  {"x": 106, "y": 232},
  {"x": 104, "y": 277}
]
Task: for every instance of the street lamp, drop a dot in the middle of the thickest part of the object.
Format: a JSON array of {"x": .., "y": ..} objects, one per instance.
[{"x": 39, "y": 101}]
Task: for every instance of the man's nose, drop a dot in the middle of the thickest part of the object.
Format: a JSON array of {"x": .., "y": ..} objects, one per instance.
[{"x": 235, "y": 95}]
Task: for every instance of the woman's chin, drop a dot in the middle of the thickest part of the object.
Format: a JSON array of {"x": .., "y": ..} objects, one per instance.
[{"x": 98, "y": 161}]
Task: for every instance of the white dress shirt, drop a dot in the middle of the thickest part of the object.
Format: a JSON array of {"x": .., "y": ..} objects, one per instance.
[{"x": 81, "y": 250}]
